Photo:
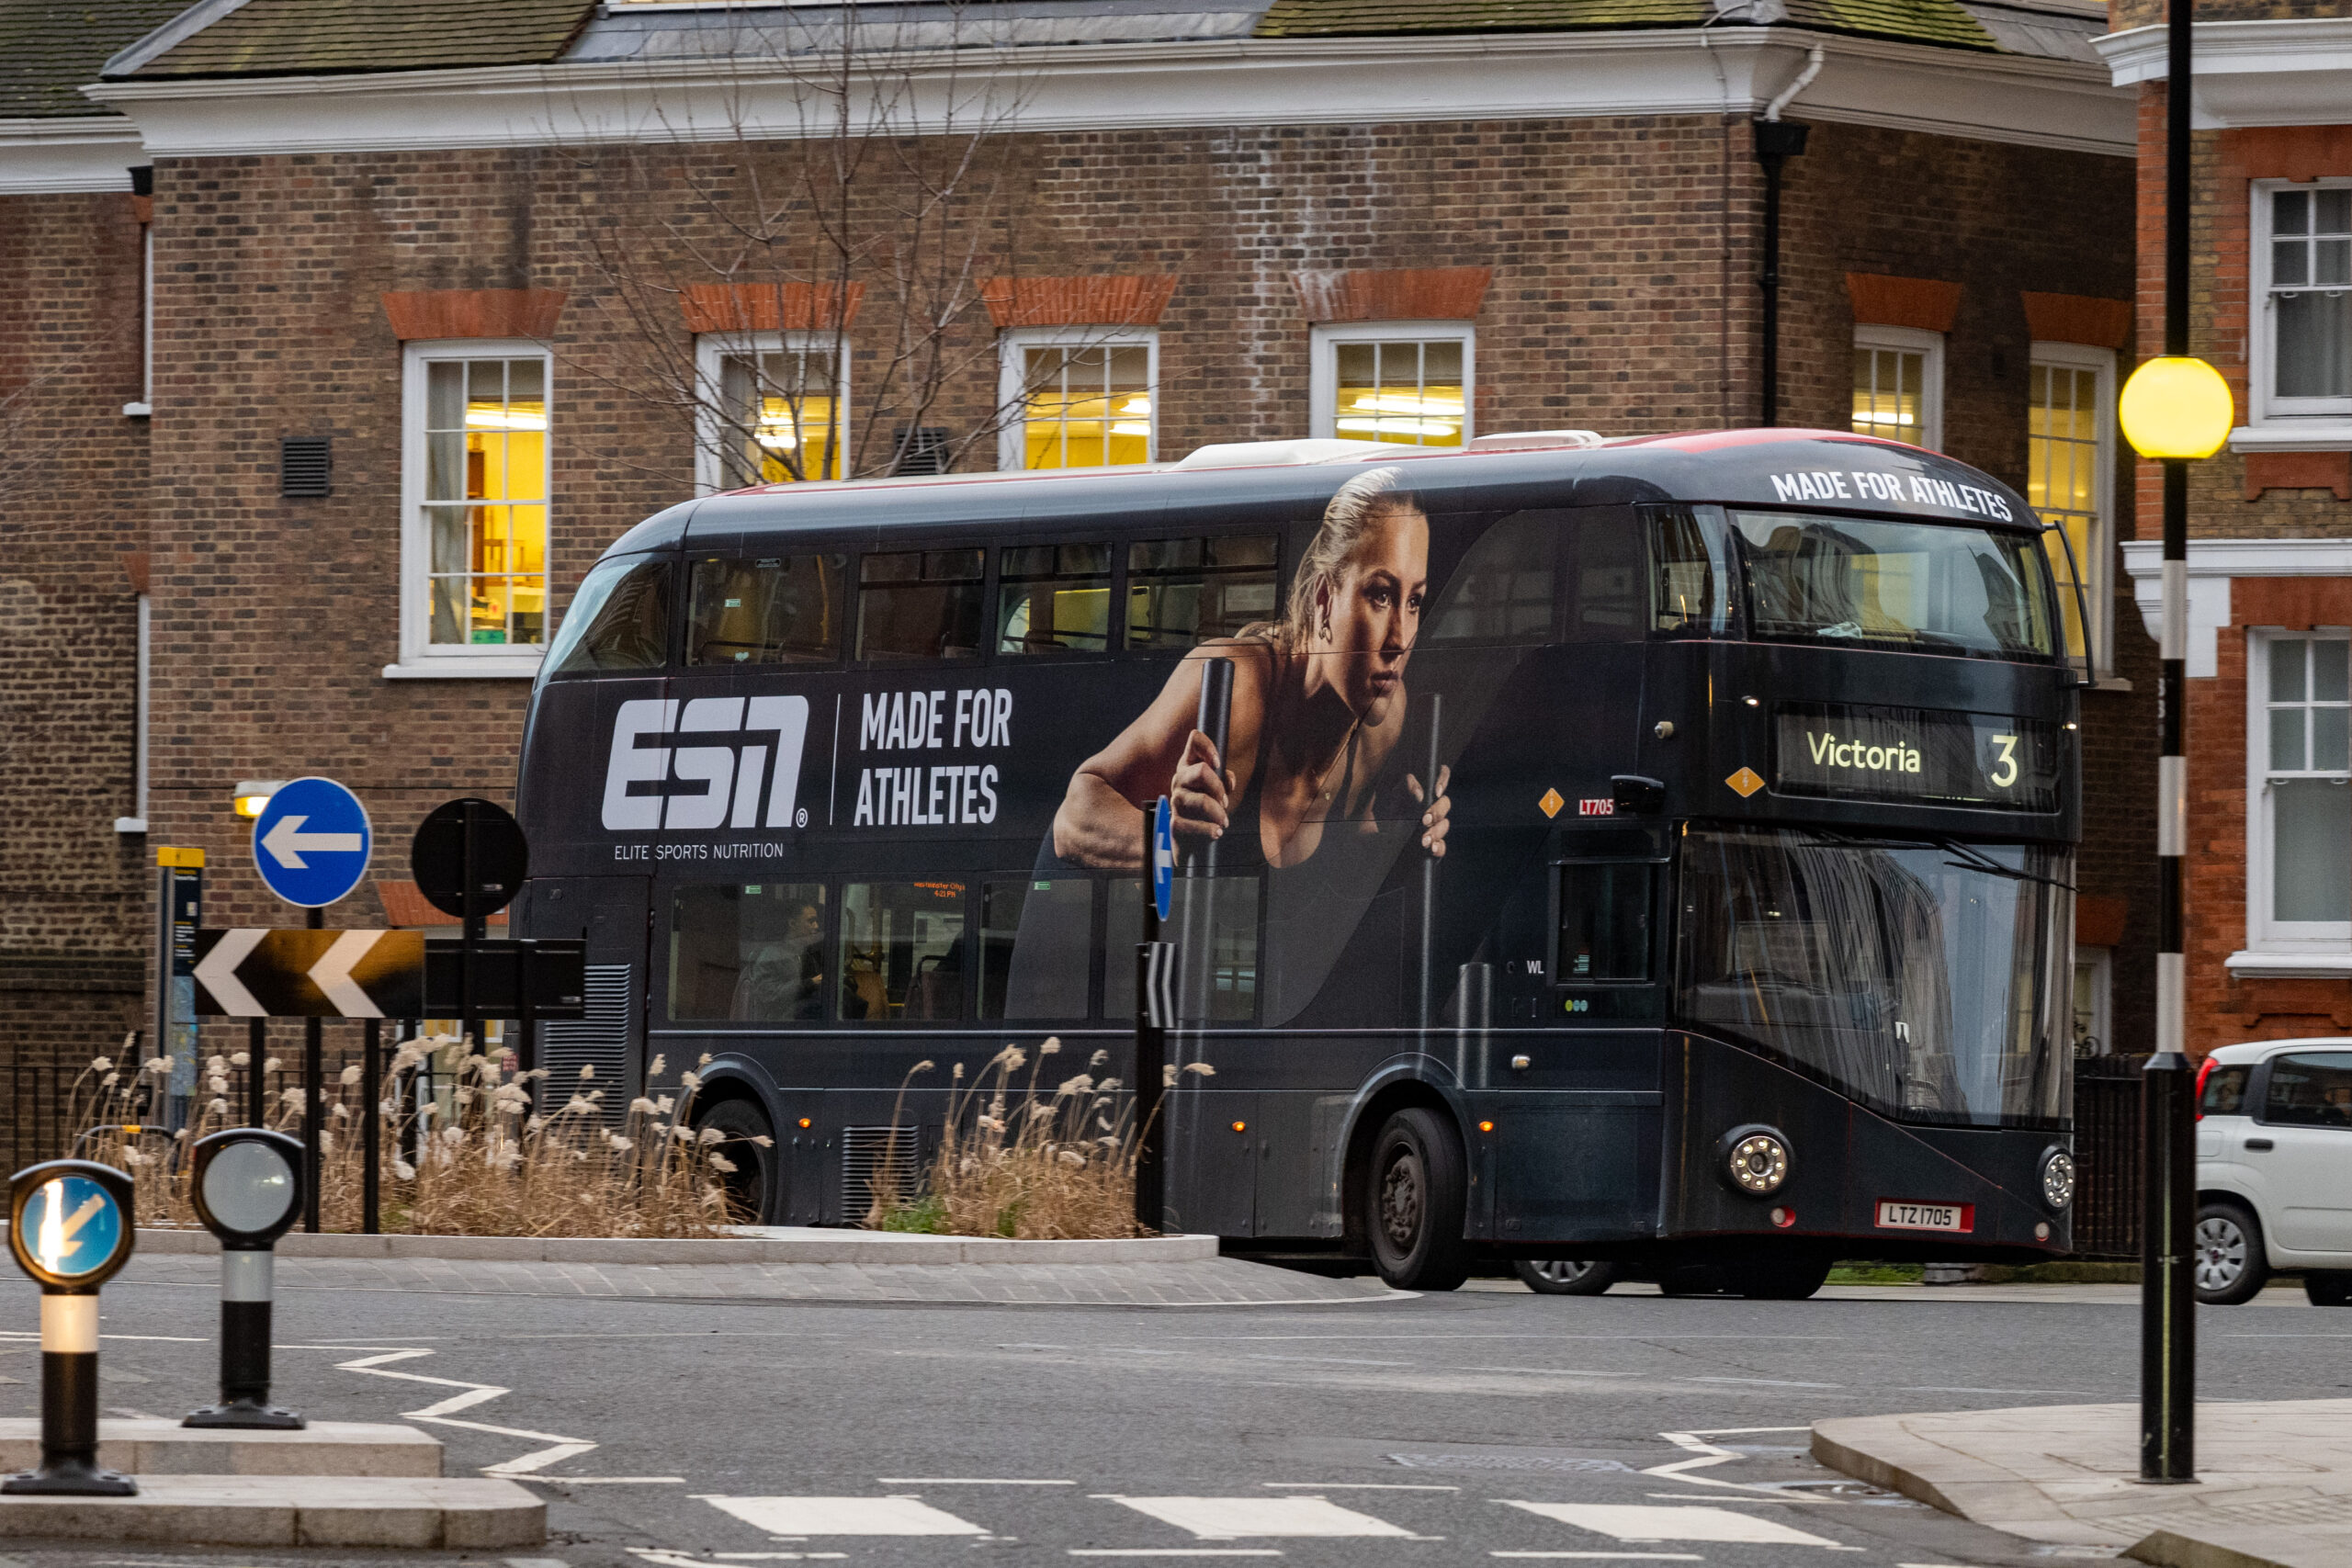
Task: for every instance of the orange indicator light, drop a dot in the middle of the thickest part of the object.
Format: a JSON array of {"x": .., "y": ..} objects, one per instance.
[
  {"x": 1241, "y": 1126},
  {"x": 804, "y": 1120},
  {"x": 1485, "y": 1126}
]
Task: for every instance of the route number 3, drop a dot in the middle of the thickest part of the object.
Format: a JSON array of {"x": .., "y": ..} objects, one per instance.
[{"x": 2005, "y": 774}]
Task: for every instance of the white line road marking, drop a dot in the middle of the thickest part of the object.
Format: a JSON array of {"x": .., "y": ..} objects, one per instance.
[
  {"x": 1708, "y": 1454},
  {"x": 602, "y": 1480},
  {"x": 1764, "y": 1382},
  {"x": 1175, "y": 1552},
  {"x": 557, "y": 1447},
  {"x": 962, "y": 1480},
  {"x": 1358, "y": 1485},
  {"x": 688, "y": 1560},
  {"x": 1228, "y": 1518},
  {"x": 843, "y": 1516},
  {"x": 536, "y": 1562},
  {"x": 1628, "y": 1521},
  {"x": 1612, "y": 1556}
]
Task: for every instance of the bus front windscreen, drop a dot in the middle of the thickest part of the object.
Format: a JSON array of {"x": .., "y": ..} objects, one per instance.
[
  {"x": 1931, "y": 982},
  {"x": 1926, "y": 587}
]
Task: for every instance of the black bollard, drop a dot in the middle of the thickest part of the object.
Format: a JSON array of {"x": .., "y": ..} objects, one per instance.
[
  {"x": 70, "y": 1226},
  {"x": 248, "y": 1190}
]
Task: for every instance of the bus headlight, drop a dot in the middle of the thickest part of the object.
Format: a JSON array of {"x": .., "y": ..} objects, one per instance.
[
  {"x": 2057, "y": 1178},
  {"x": 1755, "y": 1160}
]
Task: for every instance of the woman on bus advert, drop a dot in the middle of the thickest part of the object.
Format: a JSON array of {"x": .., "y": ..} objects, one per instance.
[{"x": 1310, "y": 789}]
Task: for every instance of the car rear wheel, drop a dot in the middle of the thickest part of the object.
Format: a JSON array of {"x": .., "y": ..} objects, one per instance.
[
  {"x": 753, "y": 1195},
  {"x": 2328, "y": 1289},
  {"x": 1416, "y": 1195},
  {"x": 1565, "y": 1276},
  {"x": 2227, "y": 1255}
]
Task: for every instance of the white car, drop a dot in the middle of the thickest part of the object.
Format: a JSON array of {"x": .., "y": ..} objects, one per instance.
[{"x": 2274, "y": 1170}]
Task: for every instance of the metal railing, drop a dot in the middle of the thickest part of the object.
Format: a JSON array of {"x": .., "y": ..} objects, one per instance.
[{"x": 2107, "y": 1158}]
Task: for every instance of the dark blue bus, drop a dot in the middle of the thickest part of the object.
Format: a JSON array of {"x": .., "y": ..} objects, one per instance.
[{"x": 1647, "y": 856}]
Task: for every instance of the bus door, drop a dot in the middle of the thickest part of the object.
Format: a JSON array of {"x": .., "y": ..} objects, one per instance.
[{"x": 611, "y": 914}]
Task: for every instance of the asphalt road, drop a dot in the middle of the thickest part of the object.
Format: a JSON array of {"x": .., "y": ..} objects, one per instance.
[{"x": 1483, "y": 1426}]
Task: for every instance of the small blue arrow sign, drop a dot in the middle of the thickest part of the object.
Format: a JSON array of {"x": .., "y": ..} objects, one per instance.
[
  {"x": 311, "y": 842},
  {"x": 72, "y": 1226},
  {"x": 1163, "y": 857}
]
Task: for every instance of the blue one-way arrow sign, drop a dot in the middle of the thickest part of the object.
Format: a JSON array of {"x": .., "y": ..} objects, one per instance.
[{"x": 311, "y": 842}]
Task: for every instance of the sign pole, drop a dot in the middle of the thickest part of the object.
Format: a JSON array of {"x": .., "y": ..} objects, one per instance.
[
  {"x": 1155, "y": 992},
  {"x": 257, "y": 1052},
  {"x": 313, "y": 1100},
  {"x": 371, "y": 1125},
  {"x": 471, "y": 927}
]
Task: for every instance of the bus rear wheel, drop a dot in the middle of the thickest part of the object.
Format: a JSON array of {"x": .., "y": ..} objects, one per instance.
[
  {"x": 751, "y": 1187},
  {"x": 1416, "y": 1194},
  {"x": 1783, "y": 1279}
]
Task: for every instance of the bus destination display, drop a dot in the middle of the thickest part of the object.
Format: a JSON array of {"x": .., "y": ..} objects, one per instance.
[{"x": 1861, "y": 752}]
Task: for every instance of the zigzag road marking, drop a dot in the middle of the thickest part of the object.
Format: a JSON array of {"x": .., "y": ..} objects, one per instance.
[{"x": 439, "y": 1414}]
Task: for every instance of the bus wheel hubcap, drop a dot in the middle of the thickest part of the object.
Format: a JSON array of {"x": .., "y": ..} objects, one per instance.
[{"x": 1400, "y": 1201}]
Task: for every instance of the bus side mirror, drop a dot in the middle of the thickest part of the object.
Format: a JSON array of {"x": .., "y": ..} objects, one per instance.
[{"x": 1637, "y": 796}]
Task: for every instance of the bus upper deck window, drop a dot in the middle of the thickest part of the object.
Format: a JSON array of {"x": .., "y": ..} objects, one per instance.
[
  {"x": 782, "y": 610},
  {"x": 1185, "y": 592},
  {"x": 618, "y": 620},
  {"x": 1053, "y": 599},
  {"x": 920, "y": 605},
  {"x": 1689, "y": 572}
]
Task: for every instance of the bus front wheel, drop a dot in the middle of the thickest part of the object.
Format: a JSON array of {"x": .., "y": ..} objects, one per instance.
[
  {"x": 751, "y": 1186},
  {"x": 1416, "y": 1195}
]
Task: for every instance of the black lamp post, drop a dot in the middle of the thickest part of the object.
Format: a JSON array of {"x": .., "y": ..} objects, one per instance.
[{"x": 2175, "y": 409}]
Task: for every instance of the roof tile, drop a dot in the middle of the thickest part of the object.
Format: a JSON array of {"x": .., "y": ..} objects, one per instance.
[
  {"x": 1942, "y": 22},
  {"x": 278, "y": 37},
  {"x": 51, "y": 47}
]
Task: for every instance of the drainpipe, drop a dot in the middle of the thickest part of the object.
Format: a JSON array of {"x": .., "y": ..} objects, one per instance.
[{"x": 1776, "y": 143}]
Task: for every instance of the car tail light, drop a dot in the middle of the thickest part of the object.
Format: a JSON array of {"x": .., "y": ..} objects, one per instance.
[{"x": 2204, "y": 1071}]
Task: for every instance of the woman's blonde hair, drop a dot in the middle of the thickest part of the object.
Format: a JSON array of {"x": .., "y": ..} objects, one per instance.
[{"x": 1349, "y": 512}]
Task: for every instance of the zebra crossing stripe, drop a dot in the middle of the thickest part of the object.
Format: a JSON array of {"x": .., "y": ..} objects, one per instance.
[
  {"x": 844, "y": 1516},
  {"x": 1628, "y": 1521},
  {"x": 1229, "y": 1518}
]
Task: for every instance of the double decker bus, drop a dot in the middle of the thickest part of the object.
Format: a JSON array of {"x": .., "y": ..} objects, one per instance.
[{"x": 1645, "y": 855}]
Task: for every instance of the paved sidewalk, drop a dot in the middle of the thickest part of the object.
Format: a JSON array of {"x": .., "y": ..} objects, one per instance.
[
  {"x": 2275, "y": 1478},
  {"x": 1206, "y": 1282}
]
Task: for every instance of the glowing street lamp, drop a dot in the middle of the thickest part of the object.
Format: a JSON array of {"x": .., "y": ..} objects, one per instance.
[{"x": 2175, "y": 408}]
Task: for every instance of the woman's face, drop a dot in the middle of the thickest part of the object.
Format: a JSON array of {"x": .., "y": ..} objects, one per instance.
[{"x": 1367, "y": 619}]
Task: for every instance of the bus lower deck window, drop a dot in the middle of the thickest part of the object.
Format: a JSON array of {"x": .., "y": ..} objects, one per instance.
[
  {"x": 1036, "y": 947},
  {"x": 903, "y": 951},
  {"x": 748, "y": 953}
]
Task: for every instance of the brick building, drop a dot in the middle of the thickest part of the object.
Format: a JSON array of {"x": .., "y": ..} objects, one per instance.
[
  {"x": 445, "y": 296},
  {"x": 2270, "y": 867}
]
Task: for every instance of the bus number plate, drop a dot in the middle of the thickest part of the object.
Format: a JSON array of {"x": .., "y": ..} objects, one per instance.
[{"x": 1896, "y": 1216}]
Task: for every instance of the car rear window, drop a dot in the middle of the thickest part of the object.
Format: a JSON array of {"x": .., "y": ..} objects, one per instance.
[
  {"x": 2224, "y": 1092},
  {"x": 2311, "y": 1089}
]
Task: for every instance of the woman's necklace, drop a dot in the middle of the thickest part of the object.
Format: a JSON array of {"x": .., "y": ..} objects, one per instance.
[{"x": 1323, "y": 780}]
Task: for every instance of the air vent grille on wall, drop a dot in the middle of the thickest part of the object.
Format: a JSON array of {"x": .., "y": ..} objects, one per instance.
[
  {"x": 925, "y": 453},
  {"x": 305, "y": 466},
  {"x": 880, "y": 1159}
]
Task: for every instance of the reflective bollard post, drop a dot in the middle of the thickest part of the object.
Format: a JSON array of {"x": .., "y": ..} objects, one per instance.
[
  {"x": 70, "y": 1226},
  {"x": 248, "y": 1190}
]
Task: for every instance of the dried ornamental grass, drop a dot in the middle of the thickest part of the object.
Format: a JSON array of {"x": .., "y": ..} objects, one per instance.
[
  {"x": 489, "y": 1165},
  {"x": 1036, "y": 1164}
]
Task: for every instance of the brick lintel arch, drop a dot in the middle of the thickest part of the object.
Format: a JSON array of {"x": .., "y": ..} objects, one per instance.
[
  {"x": 1108, "y": 301},
  {"x": 1403, "y": 294},
  {"x": 420, "y": 314},
  {"x": 770, "y": 307},
  {"x": 1927, "y": 304}
]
